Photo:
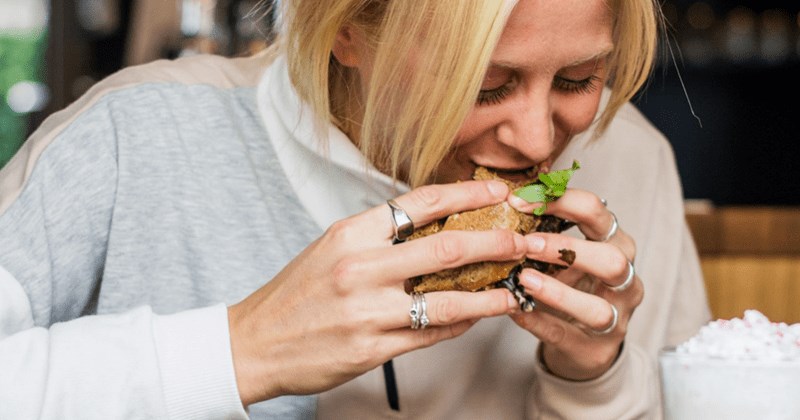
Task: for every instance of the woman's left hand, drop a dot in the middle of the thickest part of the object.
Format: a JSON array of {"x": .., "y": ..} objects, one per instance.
[{"x": 580, "y": 332}]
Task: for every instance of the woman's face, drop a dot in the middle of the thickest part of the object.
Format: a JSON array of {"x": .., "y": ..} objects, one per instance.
[{"x": 542, "y": 87}]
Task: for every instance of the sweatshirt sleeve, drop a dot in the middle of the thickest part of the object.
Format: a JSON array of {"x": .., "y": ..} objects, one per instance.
[
  {"x": 629, "y": 390},
  {"x": 59, "y": 361},
  {"x": 132, "y": 365}
]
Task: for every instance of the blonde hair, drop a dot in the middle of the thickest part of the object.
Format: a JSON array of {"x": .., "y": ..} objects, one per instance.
[
  {"x": 636, "y": 28},
  {"x": 413, "y": 120}
]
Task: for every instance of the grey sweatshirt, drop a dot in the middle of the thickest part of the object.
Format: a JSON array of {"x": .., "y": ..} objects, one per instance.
[{"x": 154, "y": 198}]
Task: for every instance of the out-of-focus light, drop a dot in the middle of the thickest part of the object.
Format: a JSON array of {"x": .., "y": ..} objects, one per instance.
[
  {"x": 197, "y": 17},
  {"x": 775, "y": 44},
  {"x": 23, "y": 15},
  {"x": 26, "y": 96},
  {"x": 697, "y": 50},
  {"x": 700, "y": 15},
  {"x": 740, "y": 34},
  {"x": 98, "y": 16}
]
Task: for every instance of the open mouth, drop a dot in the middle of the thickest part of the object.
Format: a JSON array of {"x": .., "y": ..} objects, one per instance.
[{"x": 516, "y": 175}]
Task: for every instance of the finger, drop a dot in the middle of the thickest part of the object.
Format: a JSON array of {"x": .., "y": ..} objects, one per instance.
[
  {"x": 403, "y": 340},
  {"x": 603, "y": 261},
  {"x": 442, "y": 308},
  {"x": 433, "y": 202},
  {"x": 432, "y": 253},
  {"x": 584, "y": 208},
  {"x": 588, "y": 211},
  {"x": 564, "y": 340},
  {"x": 589, "y": 310}
]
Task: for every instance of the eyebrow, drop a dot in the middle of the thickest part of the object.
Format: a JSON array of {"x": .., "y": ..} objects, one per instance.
[{"x": 513, "y": 66}]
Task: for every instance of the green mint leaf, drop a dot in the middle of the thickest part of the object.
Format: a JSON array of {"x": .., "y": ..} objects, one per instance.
[
  {"x": 559, "y": 179},
  {"x": 548, "y": 187},
  {"x": 532, "y": 193}
]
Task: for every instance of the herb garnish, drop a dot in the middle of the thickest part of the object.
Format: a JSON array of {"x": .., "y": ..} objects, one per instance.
[{"x": 548, "y": 187}]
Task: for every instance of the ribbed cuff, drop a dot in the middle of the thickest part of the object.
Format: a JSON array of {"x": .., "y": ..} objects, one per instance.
[
  {"x": 595, "y": 391},
  {"x": 196, "y": 365}
]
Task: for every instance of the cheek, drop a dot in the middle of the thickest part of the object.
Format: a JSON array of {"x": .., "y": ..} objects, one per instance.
[
  {"x": 479, "y": 121},
  {"x": 575, "y": 113}
]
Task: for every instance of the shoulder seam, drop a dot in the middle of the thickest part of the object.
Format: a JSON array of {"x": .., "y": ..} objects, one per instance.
[{"x": 218, "y": 71}]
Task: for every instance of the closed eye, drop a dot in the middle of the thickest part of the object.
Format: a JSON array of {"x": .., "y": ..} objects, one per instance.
[
  {"x": 493, "y": 96},
  {"x": 583, "y": 86}
]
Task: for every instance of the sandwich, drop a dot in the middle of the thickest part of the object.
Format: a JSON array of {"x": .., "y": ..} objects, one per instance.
[{"x": 491, "y": 274}]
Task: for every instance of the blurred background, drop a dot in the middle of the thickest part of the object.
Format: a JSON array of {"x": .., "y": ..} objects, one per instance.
[{"x": 726, "y": 93}]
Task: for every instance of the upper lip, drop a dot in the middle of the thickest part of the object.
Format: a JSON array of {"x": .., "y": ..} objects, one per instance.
[{"x": 513, "y": 174}]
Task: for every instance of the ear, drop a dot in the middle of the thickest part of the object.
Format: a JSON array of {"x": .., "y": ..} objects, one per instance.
[{"x": 347, "y": 47}]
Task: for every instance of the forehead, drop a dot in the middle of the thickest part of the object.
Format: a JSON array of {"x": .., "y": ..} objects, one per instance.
[{"x": 555, "y": 33}]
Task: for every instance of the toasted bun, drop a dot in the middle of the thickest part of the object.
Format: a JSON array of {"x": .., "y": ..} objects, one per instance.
[{"x": 484, "y": 275}]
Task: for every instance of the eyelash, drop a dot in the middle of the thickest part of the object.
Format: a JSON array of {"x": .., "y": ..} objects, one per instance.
[
  {"x": 495, "y": 96},
  {"x": 584, "y": 86}
]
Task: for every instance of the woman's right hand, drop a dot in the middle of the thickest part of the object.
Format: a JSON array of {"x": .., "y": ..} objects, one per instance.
[{"x": 339, "y": 309}]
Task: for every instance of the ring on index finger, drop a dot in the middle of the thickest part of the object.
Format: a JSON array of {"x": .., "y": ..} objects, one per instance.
[{"x": 401, "y": 222}]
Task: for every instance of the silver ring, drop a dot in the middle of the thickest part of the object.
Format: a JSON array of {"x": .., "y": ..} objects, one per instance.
[
  {"x": 614, "y": 320},
  {"x": 402, "y": 224},
  {"x": 625, "y": 284},
  {"x": 418, "y": 311},
  {"x": 612, "y": 230},
  {"x": 605, "y": 203}
]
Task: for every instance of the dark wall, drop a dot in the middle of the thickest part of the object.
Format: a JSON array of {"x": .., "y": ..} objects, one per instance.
[{"x": 740, "y": 68}]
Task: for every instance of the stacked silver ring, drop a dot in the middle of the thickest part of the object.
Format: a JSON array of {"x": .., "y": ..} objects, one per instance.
[{"x": 419, "y": 311}]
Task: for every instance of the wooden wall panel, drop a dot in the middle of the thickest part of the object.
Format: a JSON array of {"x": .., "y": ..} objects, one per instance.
[
  {"x": 769, "y": 284},
  {"x": 751, "y": 260}
]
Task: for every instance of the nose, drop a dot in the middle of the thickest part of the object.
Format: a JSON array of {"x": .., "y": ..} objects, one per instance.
[{"x": 528, "y": 128}]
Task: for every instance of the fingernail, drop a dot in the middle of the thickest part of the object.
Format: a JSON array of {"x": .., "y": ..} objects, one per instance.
[
  {"x": 498, "y": 189},
  {"x": 530, "y": 280},
  {"x": 517, "y": 202},
  {"x": 522, "y": 205},
  {"x": 535, "y": 243}
]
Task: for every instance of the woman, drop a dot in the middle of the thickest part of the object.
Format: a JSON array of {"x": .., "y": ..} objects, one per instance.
[{"x": 227, "y": 221}]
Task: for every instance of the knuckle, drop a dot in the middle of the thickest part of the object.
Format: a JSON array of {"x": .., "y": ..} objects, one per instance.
[
  {"x": 341, "y": 231},
  {"x": 447, "y": 250},
  {"x": 506, "y": 242},
  {"x": 619, "y": 261},
  {"x": 446, "y": 311},
  {"x": 343, "y": 274},
  {"x": 427, "y": 197},
  {"x": 597, "y": 206},
  {"x": 363, "y": 353},
  {"x": 601, "y": 319}
]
